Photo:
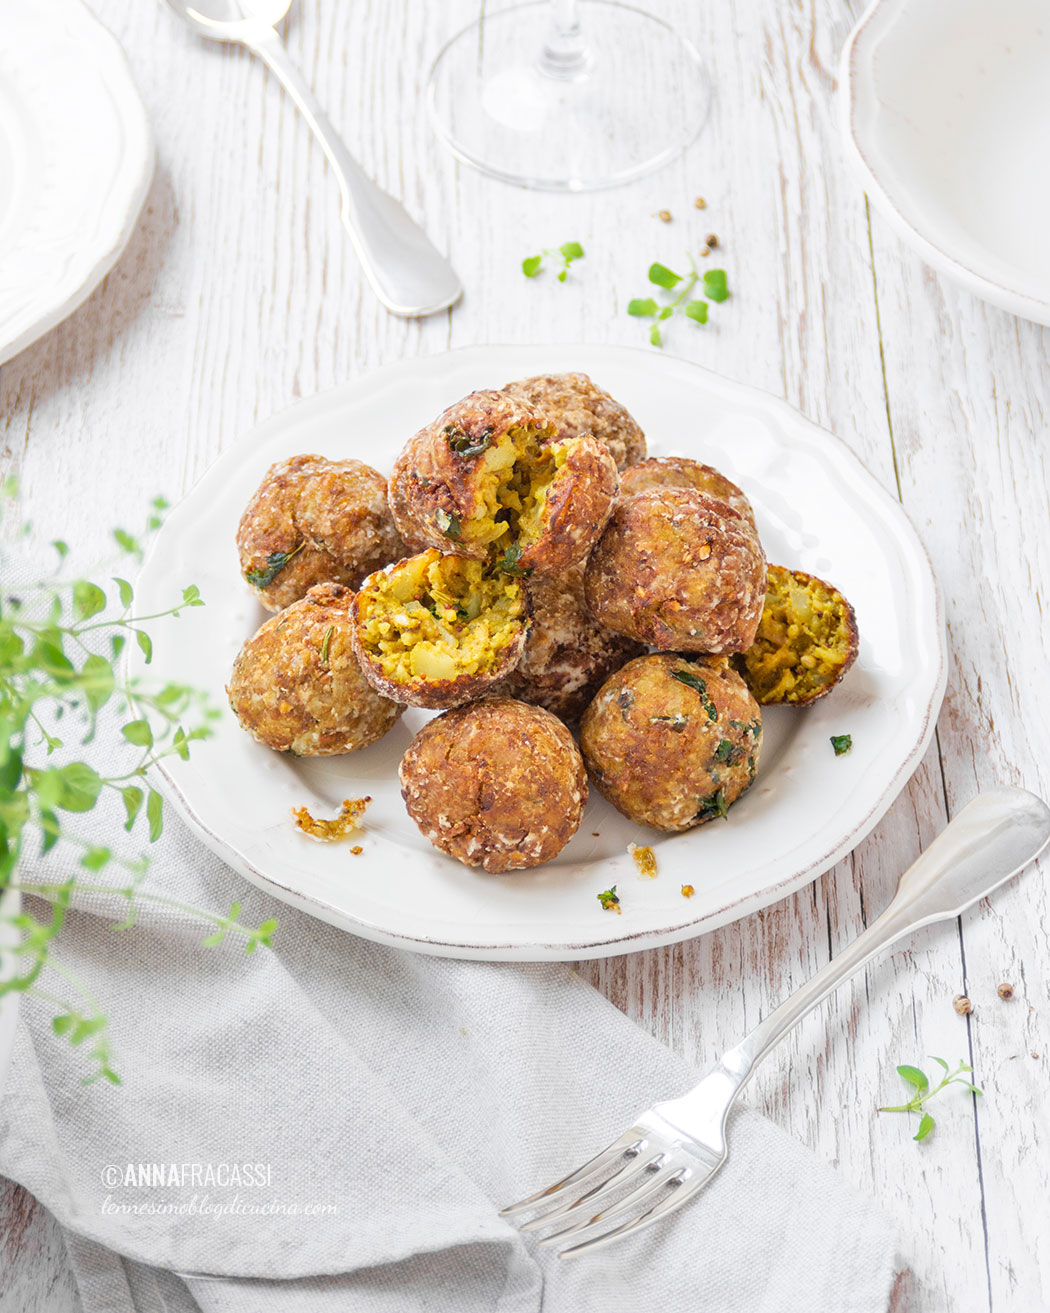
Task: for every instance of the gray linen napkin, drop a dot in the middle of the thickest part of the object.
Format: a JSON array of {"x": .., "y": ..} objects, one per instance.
[{"x": 392, "y": 1101}]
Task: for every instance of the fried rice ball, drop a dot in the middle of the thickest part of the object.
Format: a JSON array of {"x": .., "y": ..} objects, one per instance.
[
  {"x": 312, "y": 521},
  {"x": 296, "y": 686},
  {"x": 492, "y": 479},
  {"x": 680, "y": 570},
  {"x": 680, "y": 472},
  {"x": 577, "y": 406},
  {"x": 671, "y": 742},
  {"x": 496, "y": 784},
  {"x": 436, "y": 631},
  {"x": 807, "y": 639},
  {"x": 568, "y": 654}
]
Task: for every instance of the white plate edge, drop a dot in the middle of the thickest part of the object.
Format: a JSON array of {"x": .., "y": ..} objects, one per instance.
[
  {"x": 638, "y": 940},
  {"x": 1006, "y": 298}
]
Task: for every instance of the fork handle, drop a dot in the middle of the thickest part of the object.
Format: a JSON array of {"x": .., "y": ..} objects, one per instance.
[
  {"x": 990, "y": 840},
  {"x": 407, "y": 272}
]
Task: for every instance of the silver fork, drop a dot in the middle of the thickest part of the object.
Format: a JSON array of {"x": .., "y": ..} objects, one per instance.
[{"x": 674, "y": 1148}]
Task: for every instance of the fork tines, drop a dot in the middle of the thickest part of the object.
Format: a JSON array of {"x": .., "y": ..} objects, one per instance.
[{"x": 636, "y": 1180}]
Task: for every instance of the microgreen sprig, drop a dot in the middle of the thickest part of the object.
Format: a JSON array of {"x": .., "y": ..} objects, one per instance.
[
  {"x": 567, "y": 252},
  {"x": 919, "y": 1081},
  {"x": 715, "y": 289},
  {"x": 61, "y": 676}
]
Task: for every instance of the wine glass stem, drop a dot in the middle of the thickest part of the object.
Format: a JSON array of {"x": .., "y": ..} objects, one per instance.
[{"x": 564, "y": 54}]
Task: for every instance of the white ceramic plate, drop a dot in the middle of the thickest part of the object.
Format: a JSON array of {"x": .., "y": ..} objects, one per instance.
[
  {"x": 946, "y": 117},
  {"x": 817, "y": 509},
  {"x": 76, "y": 160}
]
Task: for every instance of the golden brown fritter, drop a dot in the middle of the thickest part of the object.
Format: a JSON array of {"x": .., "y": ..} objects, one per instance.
[
  {"x": 680, "y": 472},
  {"x": 296, "y": 685},
  {"x": 496, "y": 784},
  {"x": 313, "y": 521},
  {"x": 568, "y": 654},
  {"x": 436, "y": 631},
  {"x": 807, "y": 639},
  {"x": 679, "y": 570},
  {"x": 492, "y": 474},
  {"x": 672, "y": 742},
  {"x": 577, "y": 406}
]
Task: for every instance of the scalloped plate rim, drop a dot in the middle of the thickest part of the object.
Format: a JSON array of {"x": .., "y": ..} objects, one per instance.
[{"x": 601, "y": 943}]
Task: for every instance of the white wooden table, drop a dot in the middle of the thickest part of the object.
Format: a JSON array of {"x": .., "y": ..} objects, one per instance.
[{"x": 239, "y": 293}]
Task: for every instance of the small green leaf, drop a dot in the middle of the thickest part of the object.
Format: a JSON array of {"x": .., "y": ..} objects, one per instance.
[
  {"x": 79, "y": 788},
  {"x": 191, "y": 596},
  {"x": 510, "y": 562},
  {"x": 666, "y": 312},
  {"x": 325, "y": 645},
  {"x": 145, "y": 643},
  {"x": 97, "y": 681},
  {"x": 609, "y": 899},
  {"x": 132, "y": 796},
  {"x": 88, "y": 600},
  {"x": 715, "y": 286},
  {"x": 95, "y": 859},
  {"x": 941, "y": 1061},
  {"x": 571, "y": 251},
  {"x": 155, "y": 815},
  {"x": 139, "y": 733},
  {"x": 127, "y": 593},
  {"x": 562, "y": 275},
  {"x": 642, "y": 309},
  {"x": 697, "y": 310},
  {"x": 127, "y": 543},
  {"x": 662, "y": 276},
  {"x": 654, "y": 336},
  {"x": 842, "y": 743},
  {"x": 531, "y": 267},
  {"x": 50, "y": 828},
  {"x": 275, "y": 563},
  {"x": 117, "y": 644},
  {"x": 914, "y": 1077},
  {"x": 926, "y": 1125},
  {"x": 448, "y": 523},
  {"x": 62, "y": 1025}
]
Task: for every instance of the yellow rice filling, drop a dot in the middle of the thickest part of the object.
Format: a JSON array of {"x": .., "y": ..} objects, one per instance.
[
  {"x": 517, "y": 475},
  {"x": 439, "y": 617},
  {"x": 804, "y": 639}
]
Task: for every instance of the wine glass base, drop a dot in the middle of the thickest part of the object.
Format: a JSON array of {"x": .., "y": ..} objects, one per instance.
[{"x": 638, "y": 99}]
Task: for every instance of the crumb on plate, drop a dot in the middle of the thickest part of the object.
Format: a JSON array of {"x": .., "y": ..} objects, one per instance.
[
  {"x": 339, "y": 827},
  {"x": 644, "y": 859}
]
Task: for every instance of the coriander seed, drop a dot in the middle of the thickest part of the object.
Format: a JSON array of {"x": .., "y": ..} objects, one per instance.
[
  {"x": 700, "y": 203},
  {"x": 1005, "y": 992},
  {"x": 664, "y": 216},
  {"x": 712, "y": 240},
  {"x": 962, "y": 1005}
]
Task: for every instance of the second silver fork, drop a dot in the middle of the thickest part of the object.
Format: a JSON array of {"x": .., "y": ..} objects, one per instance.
[{"x": 674, "y": 1148}]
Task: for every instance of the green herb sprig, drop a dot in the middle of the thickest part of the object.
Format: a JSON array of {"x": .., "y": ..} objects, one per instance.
[
  {"x": 567, "y": 252},
  {"x": 61, "y": 679},
  {"x": 919, "y": 1081},
  {"x": 842, "y": 743},
  {"x": 715, "y": 286}
]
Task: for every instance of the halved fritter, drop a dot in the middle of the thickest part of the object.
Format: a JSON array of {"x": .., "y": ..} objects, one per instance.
[
  {"x": 491, "y": 474},
  {"x": 807, "y": 639},
  {"x": 436, "y": 631}
]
